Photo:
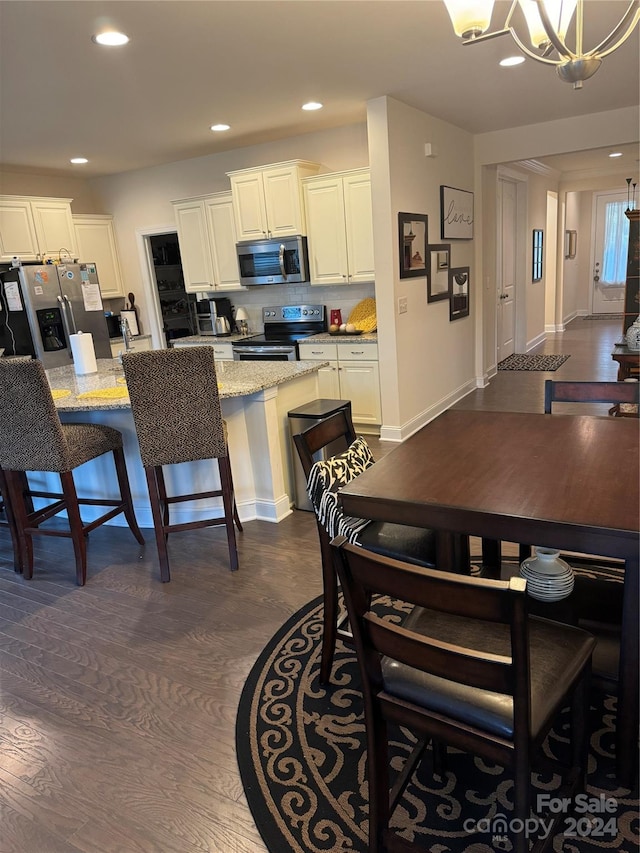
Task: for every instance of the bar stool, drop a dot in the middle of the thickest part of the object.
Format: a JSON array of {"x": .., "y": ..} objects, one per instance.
[
  {"x": 176, "y": 412},
  {"x": 32, "y": 438}
]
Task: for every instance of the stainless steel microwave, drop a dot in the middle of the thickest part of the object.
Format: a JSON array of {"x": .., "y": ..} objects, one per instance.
[{"x": 283, "y": 261}]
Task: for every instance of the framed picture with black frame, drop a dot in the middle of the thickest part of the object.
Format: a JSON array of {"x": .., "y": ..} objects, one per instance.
[
  {"x": 413, "y": 238},
  {"x": 438, "y": 262},
  {"x": 536, "y": 254},
  {"x": 458, "y": 292},
  {"x": 456, "y": 214}
]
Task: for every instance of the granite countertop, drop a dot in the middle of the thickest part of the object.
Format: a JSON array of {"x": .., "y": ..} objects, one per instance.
[
  {"x": 211, "y": 340},
  {"x": 135, "y": 338},
  {"x": 326, "y": 337},
  {"x": 235, "y": 378}
]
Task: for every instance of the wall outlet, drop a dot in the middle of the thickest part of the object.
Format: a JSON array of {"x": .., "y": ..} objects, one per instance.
[{"x": 402, "y": 305}]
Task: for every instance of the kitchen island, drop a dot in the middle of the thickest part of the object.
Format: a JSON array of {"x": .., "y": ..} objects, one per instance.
[{"x": 255, "y": 398}]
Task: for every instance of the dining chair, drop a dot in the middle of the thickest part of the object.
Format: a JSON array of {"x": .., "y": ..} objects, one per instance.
[
  {"x": 467, "y": 668},
  {"x": 596, "y": 601},
  {"x": 177, "y": 416},
  {"x": 32, "y": 438},
  {"x": 614, "y": 393},
  {"x": 324, "y": 478}
]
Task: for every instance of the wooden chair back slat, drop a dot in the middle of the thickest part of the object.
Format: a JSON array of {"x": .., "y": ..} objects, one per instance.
[{"x": 561, "y": 391}]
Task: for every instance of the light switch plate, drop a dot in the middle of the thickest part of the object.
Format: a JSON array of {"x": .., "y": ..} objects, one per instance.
[{"x": 402, "y": 305}]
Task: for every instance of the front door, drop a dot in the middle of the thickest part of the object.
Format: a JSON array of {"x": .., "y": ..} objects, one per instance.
[
  {"x": 609, "y": 261},
  {"x": 507, "y": 268}
]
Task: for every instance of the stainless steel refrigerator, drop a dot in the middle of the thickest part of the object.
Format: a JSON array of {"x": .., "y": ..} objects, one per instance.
[{"x": 41, "y": 305}]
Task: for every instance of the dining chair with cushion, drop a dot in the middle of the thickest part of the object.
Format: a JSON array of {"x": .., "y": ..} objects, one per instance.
[
  {"x": 32, "y": 438},
  {"x": 467, "y": 668},
  {"x": 177, "y": 416},
  {"x": 324, "y": 479}
]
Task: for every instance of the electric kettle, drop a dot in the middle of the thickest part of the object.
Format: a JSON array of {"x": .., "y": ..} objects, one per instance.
[{"x": 221, "y": 326}]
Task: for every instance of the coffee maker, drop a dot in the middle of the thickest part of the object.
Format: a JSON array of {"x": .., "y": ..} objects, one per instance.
[{"x": 214, "y": 317}]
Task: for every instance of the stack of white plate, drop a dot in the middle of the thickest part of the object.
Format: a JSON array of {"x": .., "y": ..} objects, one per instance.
[{"x": 548, "y": 577}]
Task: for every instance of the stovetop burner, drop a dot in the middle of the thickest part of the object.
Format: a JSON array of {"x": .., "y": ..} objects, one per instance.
[{"x": 285, "y": 325}]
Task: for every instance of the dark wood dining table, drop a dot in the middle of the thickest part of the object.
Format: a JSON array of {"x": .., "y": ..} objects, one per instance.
[{"x": 560, "y": 481}]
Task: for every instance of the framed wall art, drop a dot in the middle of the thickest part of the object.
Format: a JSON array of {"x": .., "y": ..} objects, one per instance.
[
  {"x": 570, "y": 244},
  {"x": 438, "y": 261},
  {"x": 456, "y": 214},
  {"x": 536, "y": 255},
  {"x": 412, "y": 236},
  {"x": 458, "y": 292}
]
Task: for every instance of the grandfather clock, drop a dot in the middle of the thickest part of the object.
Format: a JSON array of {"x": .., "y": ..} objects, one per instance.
[{"x": 631, "y": 292}]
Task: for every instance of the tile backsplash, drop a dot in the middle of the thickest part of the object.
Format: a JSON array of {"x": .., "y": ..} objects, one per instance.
[{"x": 255, "y": 299}]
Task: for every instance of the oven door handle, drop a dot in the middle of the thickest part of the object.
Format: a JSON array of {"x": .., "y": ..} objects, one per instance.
[
  {"x": 281, "y": 261},
  {"x": 266, "y": 350}
]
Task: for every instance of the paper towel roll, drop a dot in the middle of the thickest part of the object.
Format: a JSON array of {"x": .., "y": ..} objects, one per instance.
[
  {"x": 132, "y": 319},
  {"x": 84, "y": 355}
]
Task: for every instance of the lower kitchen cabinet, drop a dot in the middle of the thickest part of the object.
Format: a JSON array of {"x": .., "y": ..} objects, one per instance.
[{"x": 352, "y": 374}]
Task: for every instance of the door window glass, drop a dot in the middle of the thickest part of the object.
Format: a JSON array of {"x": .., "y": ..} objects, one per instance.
[{"x": 616, "y": 244}]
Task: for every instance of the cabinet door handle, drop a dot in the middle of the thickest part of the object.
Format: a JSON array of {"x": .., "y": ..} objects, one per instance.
[
  {"x": 357, "y": 352},
  {"x": 316, "y": 352}
]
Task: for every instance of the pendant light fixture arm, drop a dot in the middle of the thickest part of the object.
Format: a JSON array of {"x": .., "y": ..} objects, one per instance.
[
  {"x": 629, "y": 20},
  {"x": 559, "y": 45},
  {"x": 538, "y": 58}
]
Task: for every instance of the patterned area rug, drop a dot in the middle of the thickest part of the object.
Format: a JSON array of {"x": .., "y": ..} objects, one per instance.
[
  {"x": 602, "y": 317},
  {"x": 523, "y": 361},
  {"x": 301, "y": 753}
]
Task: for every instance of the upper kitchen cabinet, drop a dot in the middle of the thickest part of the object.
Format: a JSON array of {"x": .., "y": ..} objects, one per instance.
[
  {"x": 268, "y": 201},
  {"x": 340, "y": 227},
  {"x": 207, "y": 239},
  {"x": 32, "y": 227},
  {"x": 96, "y": 241}
]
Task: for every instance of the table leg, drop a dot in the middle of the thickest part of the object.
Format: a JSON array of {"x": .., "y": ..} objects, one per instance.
[{"x": 627, "y": 723}]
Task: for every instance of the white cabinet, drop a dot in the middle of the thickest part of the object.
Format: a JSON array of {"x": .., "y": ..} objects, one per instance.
[
  {"x": 96, "y": 241},
  {"x": 268, "y": 201},
  {"x": 221, "y": 352},
  {"x": 32, "y": 227},
  {"x": 207, "y": 239},
  {"x": 352, "y": 374},
  {"x": 340, "y": 227}
]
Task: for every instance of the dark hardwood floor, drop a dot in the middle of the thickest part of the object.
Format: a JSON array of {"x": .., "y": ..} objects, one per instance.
[{"x": 118, "y": 700}]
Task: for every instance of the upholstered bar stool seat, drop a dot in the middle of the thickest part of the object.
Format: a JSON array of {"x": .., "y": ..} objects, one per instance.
[
  {"x": 177, "y": 415},
  {"x": 32, "y": 438}
]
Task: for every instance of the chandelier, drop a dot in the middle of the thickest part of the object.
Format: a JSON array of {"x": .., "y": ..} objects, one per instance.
[{"x": 547, "y": 22}]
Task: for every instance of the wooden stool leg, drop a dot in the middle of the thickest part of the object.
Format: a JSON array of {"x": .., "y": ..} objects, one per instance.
[
  {"x": 14, "y": 480},
  {"x": 162, "y": 497},
  {"x": 228, "y": 502},
  {"x": 125, "y": 494},
  {"x": 78, "y": 536},
  {"x": 330, "y": 612},
  {"x": 11, "y": 524},
  {"x": 158, "y": 526}
]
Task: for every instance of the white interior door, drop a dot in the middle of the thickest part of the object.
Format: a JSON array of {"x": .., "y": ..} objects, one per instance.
[
  {"x": 608, "y": 263},
  {"x": 507, "y": 268}
]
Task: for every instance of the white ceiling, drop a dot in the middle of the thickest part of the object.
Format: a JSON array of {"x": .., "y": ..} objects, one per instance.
[{"x": 251, "y": 64}]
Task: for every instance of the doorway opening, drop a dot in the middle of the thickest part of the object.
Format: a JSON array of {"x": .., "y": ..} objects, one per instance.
[{"x": 177, "y": 307}]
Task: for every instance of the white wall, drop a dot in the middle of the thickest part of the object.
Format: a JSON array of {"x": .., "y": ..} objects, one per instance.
[
  {"x": 22, "y": 183},
  {"x": 426, "y": 361}
]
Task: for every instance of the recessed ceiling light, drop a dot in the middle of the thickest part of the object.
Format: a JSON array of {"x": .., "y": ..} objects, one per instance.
[
  {"x": 312, "y": 105},
  {"x": 78, "y": 161},
  {"x": 511, "y": 60},
  {"x": 616, "y": 154},
  {"x": 220, "y": 127},
  {"x": 110, "y": 38}
]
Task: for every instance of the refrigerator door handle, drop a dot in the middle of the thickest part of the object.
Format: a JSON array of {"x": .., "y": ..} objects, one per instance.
[
  {"x": 65, "y": 318},
  {"x": 68, "y": 305}
]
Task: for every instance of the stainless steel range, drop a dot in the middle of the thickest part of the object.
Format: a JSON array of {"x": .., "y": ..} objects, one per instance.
[{"x": 284, "y": 326}]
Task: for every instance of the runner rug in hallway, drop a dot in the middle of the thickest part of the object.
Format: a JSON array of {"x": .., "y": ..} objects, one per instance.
[
  {"x": 301, "y": 753},
  {"x": 523, "y": 361}
]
